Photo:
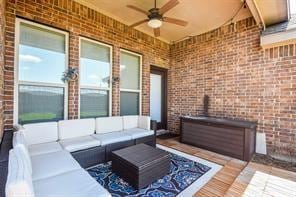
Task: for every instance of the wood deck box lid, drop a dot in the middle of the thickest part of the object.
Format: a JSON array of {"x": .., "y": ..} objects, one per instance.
[
  {"x": 224, "y": 121},
  {"x": 141, "y": 156}
]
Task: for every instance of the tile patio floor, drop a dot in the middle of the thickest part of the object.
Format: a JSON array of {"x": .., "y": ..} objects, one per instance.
[{"x": 239, "y": 178}]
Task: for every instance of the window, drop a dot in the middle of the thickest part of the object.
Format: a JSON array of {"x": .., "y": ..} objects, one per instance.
[
  {"x": 40, "y": 95},
  {"x": 130, "y": 83},
  {"x": 95, "y": 77}
]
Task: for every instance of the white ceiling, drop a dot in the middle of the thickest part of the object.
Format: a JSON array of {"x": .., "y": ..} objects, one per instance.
[{"x": 202, "y": 15}]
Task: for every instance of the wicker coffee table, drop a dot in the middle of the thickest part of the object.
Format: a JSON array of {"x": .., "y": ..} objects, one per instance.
[{"x": 141, "y": 164}]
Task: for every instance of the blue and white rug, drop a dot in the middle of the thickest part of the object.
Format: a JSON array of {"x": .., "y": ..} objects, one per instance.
[{"x": 187, "y": 175}]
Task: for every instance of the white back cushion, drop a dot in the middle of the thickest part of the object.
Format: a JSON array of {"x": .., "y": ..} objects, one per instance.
[
  {"x": 19, "y": 138},
  {"x": 76, "y": 128},
  {"x": 109, "y": 124},
  {"x": 144, "y": 122},
  {"x": 22, "y": 152},
  {"x": 130, "y": 122},
  {"x": 19, "y": 179},
  {"x": 40, "y": 132}
]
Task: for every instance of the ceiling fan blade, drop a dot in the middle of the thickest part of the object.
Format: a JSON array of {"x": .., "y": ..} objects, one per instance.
[
  {"x": 139, "y": 23},
  {"x": 169, "y": 5},
  {"x": 138, "y": 9},
  {"x": 175, "y": 21},
  {"x": 156, "y": 32}
]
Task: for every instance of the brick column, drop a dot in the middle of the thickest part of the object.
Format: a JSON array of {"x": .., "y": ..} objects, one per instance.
[
  {"x": 2, "y": 41},
  {"x": 145, "y": 85},
  {"x": 116, "y": 84},
  {"x": 9, "y": 67},
  {"x": 73, "y": 86}
]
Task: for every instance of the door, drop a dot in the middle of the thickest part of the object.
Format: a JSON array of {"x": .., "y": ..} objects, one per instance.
[{"x": 158, "y": 95}]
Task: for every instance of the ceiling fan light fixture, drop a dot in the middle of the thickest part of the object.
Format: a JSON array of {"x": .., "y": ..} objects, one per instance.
[
  {"x": 155, "y": 16},
  {"x": 155, "y": 23}
]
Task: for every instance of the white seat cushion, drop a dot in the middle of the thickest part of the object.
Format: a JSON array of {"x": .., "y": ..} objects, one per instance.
[
  {"x": 50, "y": 147},
  {"x": 138, "y": 133},
  {"x": 144, "y": 122},
  {"x": 109, "y": 124},
  {"x": 112, "y": 137},
  {"x": 130, "y": 122},
  {"x": 76, "y": 128},
  {"x": 77, "y": 183},
  {"x": 79, "y": 143},
  {"x": 52, "y": 164},
  {"x": 39, "y": 133},
  {"x": 19, "y": 179}
]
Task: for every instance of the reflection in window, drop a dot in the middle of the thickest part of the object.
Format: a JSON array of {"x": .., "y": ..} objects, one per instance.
[
  {"x": 40, "y": 65},
  {"x": 129, "y": 103},
  {"x": 129, "y": 71},
  {"x": 95, "y": 64},
  {"x": 95, "y": 73},
  {"x": 37, "y": 104},
  {"x": 93, "y": 103}
]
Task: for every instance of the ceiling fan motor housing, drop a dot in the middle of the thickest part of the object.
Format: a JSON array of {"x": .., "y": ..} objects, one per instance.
[{"x": 154, "y": 14}]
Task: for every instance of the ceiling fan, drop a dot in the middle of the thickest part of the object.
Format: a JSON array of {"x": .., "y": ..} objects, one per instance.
[{"x": 156, "y": 18}]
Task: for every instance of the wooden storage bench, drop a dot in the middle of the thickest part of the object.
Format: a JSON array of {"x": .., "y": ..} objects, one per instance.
[{"x": 235, "y": 138}]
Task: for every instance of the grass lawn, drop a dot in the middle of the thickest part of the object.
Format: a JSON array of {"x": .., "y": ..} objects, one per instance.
[
  {"x": 93, "y": 114},
  {"x": 36, "y": 116}
]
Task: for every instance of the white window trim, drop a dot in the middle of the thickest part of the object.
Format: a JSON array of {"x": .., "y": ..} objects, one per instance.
[
  {"x": 140, "y": 78},
  {"x": 18, "y": 82},
  {"x": 109, "y": 89}
]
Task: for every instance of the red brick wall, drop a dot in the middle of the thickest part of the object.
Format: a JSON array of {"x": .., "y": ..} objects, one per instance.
[
  {"x": 242, "y": 80},
  {"x": 79, "y": 20},
  {"x": 2, "y": 43}
]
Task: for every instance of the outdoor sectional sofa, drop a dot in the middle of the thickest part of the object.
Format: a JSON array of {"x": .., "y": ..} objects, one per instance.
[{"x": 49, "y": 158}]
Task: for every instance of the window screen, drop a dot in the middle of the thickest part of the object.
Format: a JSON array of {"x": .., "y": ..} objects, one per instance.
[
  {"x": 93, "y": 103},
  {"x": 38, "y": 103},
  {"x": 129, "y": 103}
]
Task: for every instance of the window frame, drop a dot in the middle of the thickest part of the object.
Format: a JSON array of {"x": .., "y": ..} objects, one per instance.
[
  {"x": 109, "y": 89},
  {"x": 139, "y": 91},
  {"x": 18, "y": 82}
]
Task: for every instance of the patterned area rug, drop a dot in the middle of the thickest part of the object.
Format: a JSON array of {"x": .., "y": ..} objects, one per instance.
[{"x": 183, "y": 173}]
